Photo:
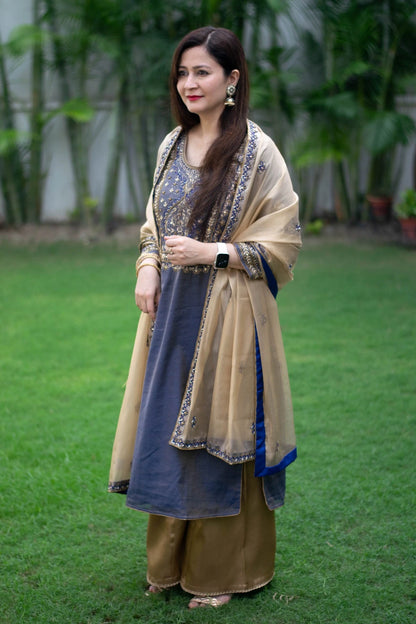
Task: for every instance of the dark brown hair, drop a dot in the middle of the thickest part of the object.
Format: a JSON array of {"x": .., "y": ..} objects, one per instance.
[{"x": 226, "y": 49}]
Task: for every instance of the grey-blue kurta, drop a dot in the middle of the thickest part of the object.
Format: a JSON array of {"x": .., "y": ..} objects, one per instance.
[{"x": 165, "y": 480}]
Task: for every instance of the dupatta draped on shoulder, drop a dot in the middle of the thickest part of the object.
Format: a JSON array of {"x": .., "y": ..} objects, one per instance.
[{"x": 237, "y": 402}]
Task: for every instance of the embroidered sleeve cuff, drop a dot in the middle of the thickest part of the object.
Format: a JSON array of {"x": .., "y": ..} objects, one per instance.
[
  {"x": 148, "y": 246},
  {"x": 250, "y": 256}
]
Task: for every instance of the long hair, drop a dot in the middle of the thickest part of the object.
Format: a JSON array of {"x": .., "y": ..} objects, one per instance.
[{"x": 226, "y": 49}]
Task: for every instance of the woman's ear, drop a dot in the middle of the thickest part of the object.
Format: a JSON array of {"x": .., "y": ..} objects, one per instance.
[{"x": 234, "y": 77}]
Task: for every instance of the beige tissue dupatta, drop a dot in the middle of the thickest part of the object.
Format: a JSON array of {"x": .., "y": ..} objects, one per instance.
[{"x": 218, "y": 411}]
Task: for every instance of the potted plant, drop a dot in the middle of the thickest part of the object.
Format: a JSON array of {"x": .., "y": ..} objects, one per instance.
[
  {"x": 380, "y": 202},
  {"x": 406, "y": 214}
]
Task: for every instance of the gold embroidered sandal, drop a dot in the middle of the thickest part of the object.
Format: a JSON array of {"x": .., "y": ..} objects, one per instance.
[{"x": 209, "y": 601}]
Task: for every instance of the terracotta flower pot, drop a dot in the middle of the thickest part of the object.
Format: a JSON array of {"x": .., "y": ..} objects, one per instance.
[
  {"x": 408, "y": 227},
  {"x": 380, "y": 208}
]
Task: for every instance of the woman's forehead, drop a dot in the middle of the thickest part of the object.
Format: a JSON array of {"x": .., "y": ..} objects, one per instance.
[{"x": 195, "y": 57}]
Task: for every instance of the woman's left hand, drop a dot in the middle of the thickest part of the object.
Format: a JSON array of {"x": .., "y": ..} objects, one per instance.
[{"x": 185, "y": 251}]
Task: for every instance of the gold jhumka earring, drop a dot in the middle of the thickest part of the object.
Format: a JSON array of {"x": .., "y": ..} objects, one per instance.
[{"x": 230, "y": 93}]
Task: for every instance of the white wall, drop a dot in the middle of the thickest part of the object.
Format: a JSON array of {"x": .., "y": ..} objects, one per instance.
[{"x": 407, "y": 105}]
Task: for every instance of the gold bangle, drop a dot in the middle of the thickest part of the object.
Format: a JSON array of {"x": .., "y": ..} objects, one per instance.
[
  {"x": 150, "y": 264},
  {"x": 144, "y": 256}
]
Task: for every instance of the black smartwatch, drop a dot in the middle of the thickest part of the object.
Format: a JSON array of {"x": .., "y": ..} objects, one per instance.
[{"x": 222, "y": 258}]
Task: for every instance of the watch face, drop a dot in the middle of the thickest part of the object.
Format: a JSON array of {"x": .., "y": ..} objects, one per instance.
[{"x": 221, "y": 261}]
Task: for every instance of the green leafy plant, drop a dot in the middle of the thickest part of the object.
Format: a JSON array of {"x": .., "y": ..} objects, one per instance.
[
  {"x": 353, "y": 71},
  {"x": 406, "y": 208},
  {"x": 315, "y": 227}
]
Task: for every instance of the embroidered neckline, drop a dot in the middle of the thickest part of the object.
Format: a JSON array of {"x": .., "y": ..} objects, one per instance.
[{"x": 183, "y": 146}]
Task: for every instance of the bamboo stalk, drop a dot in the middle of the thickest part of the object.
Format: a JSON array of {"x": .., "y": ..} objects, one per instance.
[
  {"x": 13, "y": 174},
  {"x": 36, "y": 125},
  {"x": 113, "y": 167},
  {"x": 75, "y": 131}
]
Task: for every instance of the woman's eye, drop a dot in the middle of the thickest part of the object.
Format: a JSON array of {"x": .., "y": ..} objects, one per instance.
[
  {"x": 202, "y": 72},
  {"x": 181, "y": 73}
]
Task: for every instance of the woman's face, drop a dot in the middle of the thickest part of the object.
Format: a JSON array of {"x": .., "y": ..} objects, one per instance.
[{"x": 202, "y": 82}]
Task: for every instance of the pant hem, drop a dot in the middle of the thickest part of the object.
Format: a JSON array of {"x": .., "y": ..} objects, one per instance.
[
  {"x": 167, "y": 584},
  {"x": 235, "y": 590}
]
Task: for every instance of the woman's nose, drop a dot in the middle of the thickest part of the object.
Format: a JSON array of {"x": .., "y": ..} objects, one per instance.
[{"x": 190, "y": 81}]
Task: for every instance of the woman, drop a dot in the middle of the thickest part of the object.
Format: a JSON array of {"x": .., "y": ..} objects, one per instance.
[{"x": 206, "y": 428}]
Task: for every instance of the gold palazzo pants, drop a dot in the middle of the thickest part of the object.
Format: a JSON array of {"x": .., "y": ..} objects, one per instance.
[{"x": 215, "y": 556}]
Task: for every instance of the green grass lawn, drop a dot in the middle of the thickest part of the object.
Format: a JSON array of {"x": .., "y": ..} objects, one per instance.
[{"x": 71, "y": 553}]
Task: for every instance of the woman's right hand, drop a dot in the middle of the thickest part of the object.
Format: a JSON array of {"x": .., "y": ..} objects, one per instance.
[{"x": 147, "y": 292}]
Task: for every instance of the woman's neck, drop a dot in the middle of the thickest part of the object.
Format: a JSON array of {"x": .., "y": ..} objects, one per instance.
[
  {"x": 208, "y": 128},
  {"x": 200, "y": 139}
]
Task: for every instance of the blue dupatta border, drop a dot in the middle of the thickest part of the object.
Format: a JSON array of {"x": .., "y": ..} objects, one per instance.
[
  {"x": 260, "y": 462},
  {"x": 271, "y": 280}
]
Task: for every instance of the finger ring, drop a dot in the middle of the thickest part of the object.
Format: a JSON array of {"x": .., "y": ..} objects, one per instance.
[{"x": 170, "y": 252}]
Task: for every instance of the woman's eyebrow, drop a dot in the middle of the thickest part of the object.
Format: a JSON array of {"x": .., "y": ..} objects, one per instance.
[{"x": 195, "y": 67}]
